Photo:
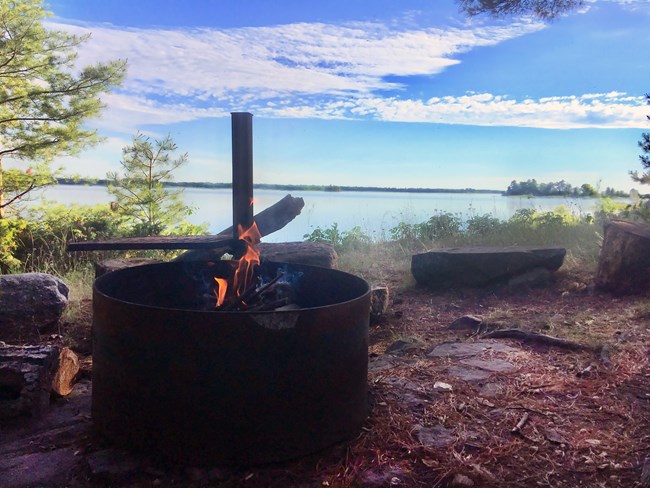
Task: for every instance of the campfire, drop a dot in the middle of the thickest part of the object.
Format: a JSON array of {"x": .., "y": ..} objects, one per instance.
[{"x": 233, "y": 360}]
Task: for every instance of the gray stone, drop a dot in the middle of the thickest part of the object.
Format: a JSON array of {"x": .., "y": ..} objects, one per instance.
[
  {"x": 468, "y": 374},
  {"x": 492, "y": 365},
  {"x": 481, "y": 266},
  {"x": 466, "y": 322},
  {"x": 51, "y": 468},
  {"x": 535, "y": 278},
  {"x": 468, "y": 349},
  {"x": 112, "y": 463},
  {"x": 30, "y": 304},
  {"x": 436, "y": 436}
]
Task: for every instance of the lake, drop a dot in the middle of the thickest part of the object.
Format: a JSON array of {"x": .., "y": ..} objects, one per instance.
[{"x": 374, "y": 212}]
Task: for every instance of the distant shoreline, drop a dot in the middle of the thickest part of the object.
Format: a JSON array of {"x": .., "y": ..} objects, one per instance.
[{"x": 268, "y": 186}]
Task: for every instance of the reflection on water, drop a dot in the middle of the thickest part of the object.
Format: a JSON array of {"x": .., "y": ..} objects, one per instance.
[{"x": 375, "y": 212}]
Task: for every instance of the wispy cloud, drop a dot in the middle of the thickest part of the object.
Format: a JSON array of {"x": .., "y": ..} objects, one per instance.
[{"x": 351, "y": 71}]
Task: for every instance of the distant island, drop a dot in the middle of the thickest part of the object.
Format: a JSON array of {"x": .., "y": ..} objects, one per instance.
[
  {"x": 524, "y": 188},
  {"x": 268, "y": 186},
  {"x": 559, "y": 189}
]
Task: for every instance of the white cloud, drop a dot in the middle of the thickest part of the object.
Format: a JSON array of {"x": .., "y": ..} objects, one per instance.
[
  {"x": 188, "y": 74},
  {"x": 599, "y": 110}
]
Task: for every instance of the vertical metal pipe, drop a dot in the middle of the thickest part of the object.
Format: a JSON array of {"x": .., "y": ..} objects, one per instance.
[{"x": 242, "y": 171}]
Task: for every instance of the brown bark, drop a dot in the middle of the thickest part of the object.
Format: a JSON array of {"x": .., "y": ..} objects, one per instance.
[
  {"x": 268, "y": 221},
  {"x": 624, "y": 263}
]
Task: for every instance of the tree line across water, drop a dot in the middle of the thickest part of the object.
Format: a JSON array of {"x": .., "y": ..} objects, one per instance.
[{"x": 559, "y": 188}]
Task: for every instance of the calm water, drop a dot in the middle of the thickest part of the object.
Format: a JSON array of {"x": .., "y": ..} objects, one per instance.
[{"x": 375, "y": 213}]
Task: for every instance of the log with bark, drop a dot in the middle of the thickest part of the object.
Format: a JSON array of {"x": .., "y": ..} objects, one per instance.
[
  {"x": 268, "y": 221},
  {"x": 624, "y": 262},
  {"x": 29, "y": 375}
]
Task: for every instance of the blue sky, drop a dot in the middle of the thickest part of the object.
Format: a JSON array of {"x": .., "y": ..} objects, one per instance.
[{"x": 403, "y": 93}]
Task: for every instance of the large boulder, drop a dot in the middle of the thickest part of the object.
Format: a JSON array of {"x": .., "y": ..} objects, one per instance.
[
  {"x": 462, "y": 267},
  {"x": 624, "y": 262},
  {"x": 31, "y": 303}
]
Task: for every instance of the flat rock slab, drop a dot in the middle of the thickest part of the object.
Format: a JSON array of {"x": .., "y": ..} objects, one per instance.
[
  {"x": 493, "y": 365},
  {"x": 462, "y": 267},
  {"x": 50, "y": 468},
  {"x": 468, "y": 349},
  {"x": 436, "y": 436},
  {"x": 468, "y": 374}
]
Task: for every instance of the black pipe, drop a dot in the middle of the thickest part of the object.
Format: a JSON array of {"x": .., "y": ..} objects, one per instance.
[{"x": 242, "y": 171}]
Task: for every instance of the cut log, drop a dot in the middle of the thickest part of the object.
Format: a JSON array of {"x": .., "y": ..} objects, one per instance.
[
  {"x": 109, "y": 265},
  {"x": 26, "y": 374},
  {"x": 66, "y": 373},
  {"x": 311, "y": 253},
  {"x": 268, "y": 221},
  {"x": 624, "y": 263},
  {"x": 481, "y": 266}
]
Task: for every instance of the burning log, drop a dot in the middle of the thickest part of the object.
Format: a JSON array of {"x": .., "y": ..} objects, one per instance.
[{"x": 268, "y": 221}]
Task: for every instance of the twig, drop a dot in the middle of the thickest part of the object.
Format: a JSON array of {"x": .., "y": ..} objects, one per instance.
[{"x": 522, "y": 421}]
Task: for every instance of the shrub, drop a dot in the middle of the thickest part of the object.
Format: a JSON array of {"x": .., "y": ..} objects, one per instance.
[{"x": 341, "y": 240}]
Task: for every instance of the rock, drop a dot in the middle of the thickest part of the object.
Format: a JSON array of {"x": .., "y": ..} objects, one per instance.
[
  {"x": 461, "y": 480},
  {"x": 466, "y": 322},
  {"x": 109, "y": 265},
  {"x": 312, "y": 253},
  {"x": 436, "y": 436},
  {"x": 468, "y": 374},
  {"x": 26, "y": 374},
  {"x": 493, "y": 365},
  {"x": 624, "y": 262},
  {"x": 481, "y": 266},
  {"x": 535, "y": 278},
  {"x": 379, "y": 297},
  {"x": 30, "y": 303},
  {"x": 112, "y": 464},
  {"x": 403, "y": 346},
  {"x": 50, "y": 468},
  {"x": 467, "y": 349}
]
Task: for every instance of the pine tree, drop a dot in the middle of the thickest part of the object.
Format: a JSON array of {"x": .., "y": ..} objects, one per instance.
[
  {"x": 644, "y": 144},
  {"x": 43, "y": 103},
  {"x": 141, "y": 197}
]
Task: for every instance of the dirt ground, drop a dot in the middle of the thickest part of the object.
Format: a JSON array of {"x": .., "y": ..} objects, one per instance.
[{"x": 501, "y": 414}]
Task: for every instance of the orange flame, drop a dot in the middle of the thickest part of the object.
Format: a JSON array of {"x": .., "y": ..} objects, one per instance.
[
  {"x": 245, "y": 272},
  {"x": 220, "y": 290}
]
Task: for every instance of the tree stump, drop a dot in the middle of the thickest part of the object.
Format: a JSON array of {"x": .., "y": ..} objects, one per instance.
[
  {"x": 624, "y": 263},
  {"x": 26, "y": 379}
]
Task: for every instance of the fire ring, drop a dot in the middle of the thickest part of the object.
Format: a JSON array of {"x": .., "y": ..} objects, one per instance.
[{"x": 206, "y": 388}]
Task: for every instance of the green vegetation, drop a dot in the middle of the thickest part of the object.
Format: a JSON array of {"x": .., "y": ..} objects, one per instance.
[
  {"x": 141, "y": 198},
  {"x": 43, "y": 104},
  {"x": 644, "y": 144},
  {"x": 558, "y": 188}
]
